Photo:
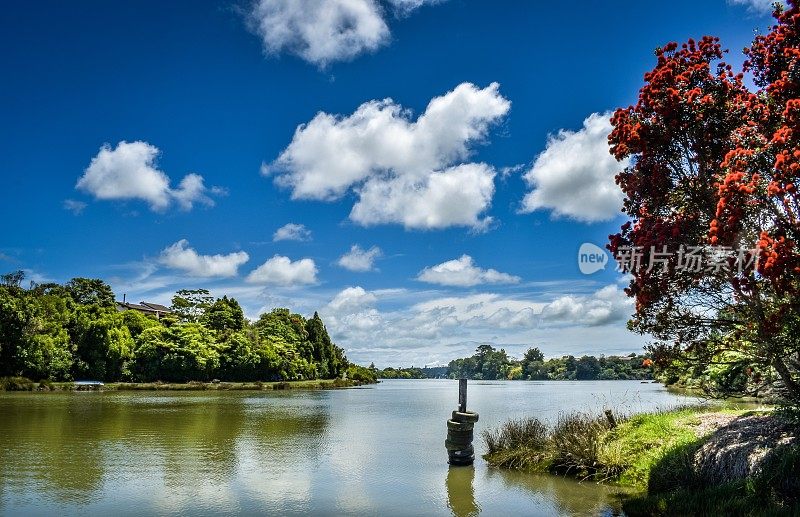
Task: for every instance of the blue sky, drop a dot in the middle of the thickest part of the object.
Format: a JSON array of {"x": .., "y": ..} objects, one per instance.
[{"x": 161, "y": 146}]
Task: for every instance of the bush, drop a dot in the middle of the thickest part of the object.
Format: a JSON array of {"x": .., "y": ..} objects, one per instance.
[
  {"x": 16, "y": 384},
  {"x": 46, "y": 385},
  {"x": 362, "y": 374}
]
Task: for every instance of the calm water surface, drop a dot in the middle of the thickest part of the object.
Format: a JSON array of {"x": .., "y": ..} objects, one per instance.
[{"x": 376, "y": 450}]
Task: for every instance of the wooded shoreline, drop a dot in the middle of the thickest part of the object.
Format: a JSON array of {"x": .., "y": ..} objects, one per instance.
[{"x": 21, "y": 384}]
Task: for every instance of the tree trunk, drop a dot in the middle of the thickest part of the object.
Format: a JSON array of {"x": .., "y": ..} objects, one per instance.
[{"x": 792, "y": 386}]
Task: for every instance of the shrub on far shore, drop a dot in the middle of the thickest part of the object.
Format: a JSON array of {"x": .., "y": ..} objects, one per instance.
[{"x": 16, "y": 384}]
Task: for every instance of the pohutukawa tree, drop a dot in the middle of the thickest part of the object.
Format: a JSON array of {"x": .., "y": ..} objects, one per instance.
[{"x": 712, "y": 193}]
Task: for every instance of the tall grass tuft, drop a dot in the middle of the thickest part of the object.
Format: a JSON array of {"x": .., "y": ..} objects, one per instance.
[
  {"x": 575, "y": 445},
  {"x": 577, "y": 440},
  {"x": 518, "y": 444}
]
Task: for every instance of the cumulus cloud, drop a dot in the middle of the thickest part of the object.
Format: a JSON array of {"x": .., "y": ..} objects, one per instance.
[
  {"x": 181, "y": 256},
  {"x": 320, "y": 32},
  {"x": 351, "y": 298},
  {"x": 402, "y": 170},
  {"x": 574, "y": 175},
  {"x": 566, "y": 323},
  {"x": 456, "y": 196},
  {"x": 324, "y": 31},
  {"x": 359, "y": 259},
  {"x": 292, "y": 232},
  {"x": 129, "y": 171},
  {"x": 282, "y": 271},
  {"x": 463, "y": 272},
  {"x": 606, "y": 305}
]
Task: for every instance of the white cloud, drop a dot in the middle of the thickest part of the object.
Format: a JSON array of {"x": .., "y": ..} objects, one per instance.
[
  {"x": 129, "y": 171},
  {"x": 426, "y": 331},
  {"x": 351, "y": 298},
  {"x": 456, "y": 196},
  {"x": 462, "y": 272},
  {"x": 403, "y": 171},
  {"x": 76, "y": 207},
  {"x": 181, "y": 256},
  {"x": 406, "y": 6},
  {"x": 292, "y": 232},
  {"x": 757, "y": 6},
  {"x": 358, "y": 259},
  {"x": 320, "y": 31},
  {"x": 280, "y": 270},
  {"x": 324, "y": 31},
  {"x": 574, "y": 175},
  {"x": 604, "y": 306}
]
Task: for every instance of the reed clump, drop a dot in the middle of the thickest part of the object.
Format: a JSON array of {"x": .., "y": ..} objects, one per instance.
[{"x": 574, "y": 445}]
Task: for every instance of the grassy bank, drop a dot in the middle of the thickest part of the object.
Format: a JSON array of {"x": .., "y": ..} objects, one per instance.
[
  {"x": 23, "y": 384},
  {"x": 681, "y": 462}
]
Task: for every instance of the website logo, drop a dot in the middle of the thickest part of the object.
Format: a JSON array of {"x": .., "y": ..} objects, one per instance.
[{"x": 591, "y": 258}]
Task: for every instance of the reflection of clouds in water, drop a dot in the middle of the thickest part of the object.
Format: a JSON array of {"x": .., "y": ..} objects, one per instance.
[
  {"x": 202, "y": 496},
  {"x": 378, "y": 450},
  {"x": 277, "y": 487},
  {"x": 556, "y": 495}
]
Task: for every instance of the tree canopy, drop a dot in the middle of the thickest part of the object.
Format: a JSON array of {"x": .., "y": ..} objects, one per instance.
[
  {"x": 74, "y": 331},
  {"x": 490, "y": 364},
  {"x": 713, "y": 205}
]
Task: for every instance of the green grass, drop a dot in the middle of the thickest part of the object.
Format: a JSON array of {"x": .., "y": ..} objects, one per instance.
[
  {"x": 629, "y": 452},
  {"x": 651, "y": 453}
]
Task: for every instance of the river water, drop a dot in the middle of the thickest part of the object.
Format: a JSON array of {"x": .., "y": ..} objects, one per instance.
[{"x": 376, "y": 450}]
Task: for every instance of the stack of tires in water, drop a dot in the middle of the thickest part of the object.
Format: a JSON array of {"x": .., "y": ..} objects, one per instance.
[{"x": 459, "y": 437}]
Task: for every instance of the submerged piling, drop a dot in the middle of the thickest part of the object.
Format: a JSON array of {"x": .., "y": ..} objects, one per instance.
[{"x": 460, "y": 429}]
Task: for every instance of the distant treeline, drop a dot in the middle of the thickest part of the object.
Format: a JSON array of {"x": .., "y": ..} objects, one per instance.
[
  {"x": 77, "y": 331},
  {"x": 488, "y": 363},
  {"x": 435, "y": 372}
]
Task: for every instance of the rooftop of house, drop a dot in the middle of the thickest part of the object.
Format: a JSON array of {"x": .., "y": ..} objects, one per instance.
[{"x": 144, "y": 306}]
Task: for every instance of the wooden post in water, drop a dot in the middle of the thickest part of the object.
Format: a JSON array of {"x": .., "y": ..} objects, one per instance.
[
  {"x": 612, "y": 422},
  {"x": 460, "y": 430}
]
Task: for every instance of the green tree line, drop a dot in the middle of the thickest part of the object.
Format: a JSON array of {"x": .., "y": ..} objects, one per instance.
[
  {"x": 488, "y": 363},
  {"x": 75, "y": 331}
]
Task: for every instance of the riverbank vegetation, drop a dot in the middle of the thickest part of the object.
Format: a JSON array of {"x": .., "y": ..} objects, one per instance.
[
  {"x": 77, "y": 330},
  {"x": 428, "y": 372},
  {"x": 687, "y": 461},
  {"x": 25, "y": 384},
  {"x": 489, "y": 363}
]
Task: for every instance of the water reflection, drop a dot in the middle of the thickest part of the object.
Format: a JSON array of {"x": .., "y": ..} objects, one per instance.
[
  {"x": 567, "y": 496},
  {"x": 372, "y": 451},
  {"x": 171, "y": 453},
  {"x": 461, "y": 491}
]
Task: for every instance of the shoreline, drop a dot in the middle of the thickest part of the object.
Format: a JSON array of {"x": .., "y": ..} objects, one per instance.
[
  {"x": 735, "y": 461},
  {"x": 316, "y": 384}
]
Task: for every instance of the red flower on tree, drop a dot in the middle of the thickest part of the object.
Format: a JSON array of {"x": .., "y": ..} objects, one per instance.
[{"x": 715, "y": 164}]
